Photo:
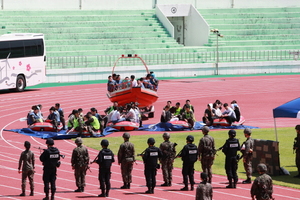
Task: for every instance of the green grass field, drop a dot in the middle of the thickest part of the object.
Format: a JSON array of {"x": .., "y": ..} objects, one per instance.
[{"x": 285, "y": 137}]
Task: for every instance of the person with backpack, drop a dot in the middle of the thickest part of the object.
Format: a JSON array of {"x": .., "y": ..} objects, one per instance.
[
  {"x": 50, "y": 159},
  {"x": 105, "y": 159},
  {"x": 189, "y": 155}
]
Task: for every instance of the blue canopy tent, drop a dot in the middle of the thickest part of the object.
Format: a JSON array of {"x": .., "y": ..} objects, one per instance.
[{"x": 290, "y": 109}]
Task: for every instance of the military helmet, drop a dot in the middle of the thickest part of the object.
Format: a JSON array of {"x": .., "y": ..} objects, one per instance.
[
  {"x": 205, "y": 129},
  {"x": 78, "y": 140},
  {"x": 247, "y": 131},
  {"x": 166, "y": 135},
  {"x": 126, "y": 135},
  {"x": 262, "y": 167},
  {"x": 49, "y": 141},
  {"x": 297, "y": 127},
  {"x": 190, "y": 138},
  {"x": 104, "y": 142},
  {"x": 232, "y": 133},
  {"x": 151, "y": 141},
  {"x": 27, "y": 144},
  {"x": 203, "y": 176}
]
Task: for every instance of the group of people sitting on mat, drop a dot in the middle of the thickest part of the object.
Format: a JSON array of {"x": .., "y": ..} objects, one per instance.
[
  {"x": 214, "y": 111},
  {"x": 175, "y": 113},
  {"x": 115, "y": 83}
]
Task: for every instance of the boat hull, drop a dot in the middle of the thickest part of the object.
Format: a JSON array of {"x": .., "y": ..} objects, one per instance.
[{"x": 145, "y": 97}]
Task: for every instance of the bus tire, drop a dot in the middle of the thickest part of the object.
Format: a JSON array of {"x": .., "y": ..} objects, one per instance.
[{"x": 20, "y": 83}]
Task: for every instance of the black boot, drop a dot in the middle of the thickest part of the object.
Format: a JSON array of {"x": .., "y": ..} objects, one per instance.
[
  {"x": 107, "y": 193},
  {"x": 247, "y": 181},
  {"x": 78, "y": 190},
  {"x": 148, "y": 191},
  {"x": 128, "y": 185},
  {"x": 102, "y": 193},
  {"x": 185, "y": 188},
  {"x": 124, "y": 186},
  {"x": 164, "y": 184},
  {"x": 192, "y": 187},
  {"x": 31, "y": 193},
  {"x": 230, "y": 184}
]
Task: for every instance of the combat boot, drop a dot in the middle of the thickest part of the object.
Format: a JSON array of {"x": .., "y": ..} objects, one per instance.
[
  {"x": 106, "y": 193},
  {"x": 31, "y": 193},
  {"x": 78, "y": 190},
  {"x": 192, "y": 187},
  {"x": 164, "y": 184},
  {"x": 102, "y": 193},
  {"x": 128, "y": 185},
  {"x": 124, "y": 186},
  {"x": 230, "y": 184},
  {"x": 22, "y": 194},
  {"x": 185, "y": 188},
  {"x": 247, "y": 181}
]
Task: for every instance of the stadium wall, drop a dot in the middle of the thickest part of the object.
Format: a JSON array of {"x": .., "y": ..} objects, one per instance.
[
  {"x": 138, "y": 5},
  {"x": 179, "y": 70}
]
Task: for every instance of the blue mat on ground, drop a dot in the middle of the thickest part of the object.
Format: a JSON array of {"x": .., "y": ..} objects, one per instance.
[
  {"x": 146, "y": 127},
  {"x": 197, "y": 126},
  {"x": 47, "y": 134}
]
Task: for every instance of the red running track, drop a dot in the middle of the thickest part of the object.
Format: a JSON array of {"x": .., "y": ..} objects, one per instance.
[{"x": 256, "y": 96}]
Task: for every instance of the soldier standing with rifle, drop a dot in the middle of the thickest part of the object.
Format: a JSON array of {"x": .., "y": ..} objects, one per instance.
[
  {"x": 262, "y": 187},
  {"x": 50, "y": 159},
  {"x": 247, "y": 150},
  {"x": 206, "y": 152},
  {"x": 79, "y": 161},
  {"x": 126, "y": 159},
  {"x": 105, "y": 159},
  {"x": 189, "y": 155},
  {"x": 230, "y": 149},
  {"x": 167, "y": 159},
  {"x": 297, "y": 149},
  {"x": 150, "y": 158},
  {"x": 27, "y": 162}
]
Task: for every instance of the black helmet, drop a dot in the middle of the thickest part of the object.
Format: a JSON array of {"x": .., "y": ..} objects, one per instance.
[
  {"x": 151, "y": 141},
  {"x": 232, "y": 133},
  {"x": 190, "y": 138},
  {"x": 104, "y": 143},
  {"x": 49, "y": 141},
  {"x": 262, "y": 167},
  {"x": 126, "y": 135},
  {"x": 297, "y": 127},
  {"x": 27, "y": 144}
]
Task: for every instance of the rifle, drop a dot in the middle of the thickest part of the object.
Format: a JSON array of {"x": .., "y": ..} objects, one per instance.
[
  {"x": 94, "y": 160},
  {"x": 179, "y": 154},
  {"x": 39, "y": 148},
  {"x": 141, "y": 154}
]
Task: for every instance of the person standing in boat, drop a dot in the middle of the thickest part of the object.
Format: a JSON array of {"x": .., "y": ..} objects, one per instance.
[{"x": 133, "y": 81}]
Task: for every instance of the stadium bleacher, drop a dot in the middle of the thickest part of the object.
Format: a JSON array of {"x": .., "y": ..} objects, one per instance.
[{"x": 108, "y": 32}]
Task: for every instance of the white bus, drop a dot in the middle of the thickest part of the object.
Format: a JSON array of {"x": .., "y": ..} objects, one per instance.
[{"x": 22, "y": 60}]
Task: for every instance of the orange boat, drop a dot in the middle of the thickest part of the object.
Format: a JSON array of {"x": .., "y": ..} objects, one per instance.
[{"x": 124, "y": 93}]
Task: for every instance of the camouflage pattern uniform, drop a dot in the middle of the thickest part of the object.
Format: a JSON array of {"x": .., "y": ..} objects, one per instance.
[
  {"x": 297, "y": 148},
  {"x": 204, "y": 191},
  {"x": 27, "y": 158},
  {"x": 247, "y": 157},
  {"x": 126, "y": 158},
  {"x": 206, "y": 152},
  {"x": 262, "y": 187},
  {"x": 169, "y": 153},
  {"x": 79, "y": 161}
]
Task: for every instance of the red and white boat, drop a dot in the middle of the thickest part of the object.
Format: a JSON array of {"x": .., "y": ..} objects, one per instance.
[
  {"x": 44, "y": 126},
  {"x": 125, "y": 93},
  {"x": 124, "y": 125},
  {"x": 180, "y": 123},
  {"x": 223, "y": 122}
]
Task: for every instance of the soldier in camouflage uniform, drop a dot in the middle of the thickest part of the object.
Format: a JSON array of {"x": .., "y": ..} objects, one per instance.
[
  {"x": 126, "y": 159},
  {"x": 297, "y": 148},
  {"x": 204, "y": 190},
  {"x": 79, "y": 161},
  {"x": 247, "y": 150},
  {"x": 206, "y": 152},
  {"x": 262, "y": 187},
  {"x": 27, "y": 162},
  {"x": 169, "y": 153}
]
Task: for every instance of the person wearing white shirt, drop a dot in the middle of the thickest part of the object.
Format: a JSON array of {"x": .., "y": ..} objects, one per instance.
[
  {"x": 116, "y": 116},
  {"x": 228, "y": 114},
  {"x": 133, "y": 81}
]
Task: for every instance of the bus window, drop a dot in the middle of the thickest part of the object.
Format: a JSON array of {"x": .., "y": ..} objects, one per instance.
[
  {"x": 4, "y": 49},
  {"x": 17, "y": 49}
]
